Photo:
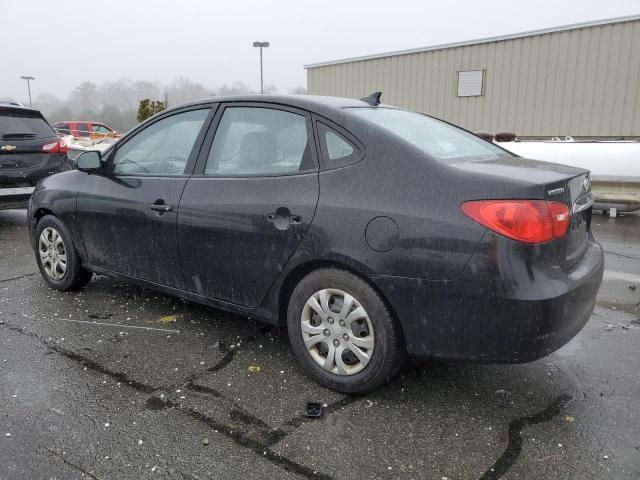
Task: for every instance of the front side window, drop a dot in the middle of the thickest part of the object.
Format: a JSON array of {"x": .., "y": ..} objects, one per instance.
[
  {"x": 434, "y": 137},
  {"x": 259, "y": 141},
  {"x": 100, "y": 129},
  {"x": 162, "y": 148}
]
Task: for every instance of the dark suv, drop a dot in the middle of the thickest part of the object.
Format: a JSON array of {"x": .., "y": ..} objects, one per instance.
[{"x": 30, "y": 149}]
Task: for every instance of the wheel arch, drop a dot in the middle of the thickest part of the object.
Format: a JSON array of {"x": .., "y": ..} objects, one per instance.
[
  {"x": 300, "y": 271},
  {"x": 34, "y": 218},
  {"x": 41, "y": 212}
]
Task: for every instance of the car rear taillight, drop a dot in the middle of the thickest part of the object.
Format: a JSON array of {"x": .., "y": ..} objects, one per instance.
[
  {"x": 56, "y": 147},
  {"x": 528, "y": 221}
]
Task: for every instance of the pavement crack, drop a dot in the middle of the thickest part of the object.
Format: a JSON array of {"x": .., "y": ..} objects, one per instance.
[
  {"x": 194, "y": 387},
  {"x": 514, "y": 447},
  {"x": 263, "y": 433},
  {"x": 73, "y": 465},
  {"x": 258, "y": 447},
  {"x": 230, "y": 355},
  {"x": 279, "y": 434},
  {"x": 226, "y": 360},
  {"x": 632, "y": 257},
  {"x": 18, "y": 277},
  {"x": 95, "y": 366},
  {"x": 85, "y": 361},
  {"x": 239, "y": 415}
]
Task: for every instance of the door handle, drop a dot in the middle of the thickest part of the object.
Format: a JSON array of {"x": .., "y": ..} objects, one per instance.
[
  {"x": 161, "y": 209},
  {"x": 282, "y": 218}
]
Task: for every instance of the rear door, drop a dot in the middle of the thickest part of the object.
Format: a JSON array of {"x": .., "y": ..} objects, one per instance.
[
  {"x": 127, "y": 218},
  {"x": 82, "y": 129},
  {"x": 252, "y": 199}
]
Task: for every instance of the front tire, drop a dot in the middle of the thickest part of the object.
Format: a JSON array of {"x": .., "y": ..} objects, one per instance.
[
  {"x": 342, "y": 332},
  {"x": 57, "y": 257}
]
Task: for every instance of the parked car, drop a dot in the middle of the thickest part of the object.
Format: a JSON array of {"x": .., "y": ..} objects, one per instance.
[
  {"x": 29, "y": 147},
  {"x": 82, "y": 129},
  {"x": 10, "y": 101},
  {"x": 371, "y": 232}
]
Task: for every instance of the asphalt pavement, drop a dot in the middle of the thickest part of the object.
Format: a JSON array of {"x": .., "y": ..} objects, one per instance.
[{"x": 119, "y": 382}]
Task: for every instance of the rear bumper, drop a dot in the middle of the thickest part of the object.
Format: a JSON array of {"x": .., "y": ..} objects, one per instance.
[
  {"x": 30, "y": 176},
  {"x": 493, "y": 313},
  {"x": 15, "y": 197}
]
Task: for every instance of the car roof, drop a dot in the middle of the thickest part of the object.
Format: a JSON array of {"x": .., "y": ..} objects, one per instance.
[
  {"x": 81, "y": 121},
  {"x": 18, "y": 107},
  {"x": 316, "y": 103}
]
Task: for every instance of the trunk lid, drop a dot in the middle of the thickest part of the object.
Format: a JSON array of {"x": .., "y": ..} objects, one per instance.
[
  {"x": 576, "y": 193},
  {"x": 548, "y": 181}
]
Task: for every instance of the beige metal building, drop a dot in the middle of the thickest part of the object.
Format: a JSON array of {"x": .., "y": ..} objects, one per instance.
[{"x": 581, "y": 80}]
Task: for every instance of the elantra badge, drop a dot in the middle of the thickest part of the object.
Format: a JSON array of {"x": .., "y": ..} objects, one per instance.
[
  {"x": 555, "y": 191},
  {"x": 8, "y": 148}
]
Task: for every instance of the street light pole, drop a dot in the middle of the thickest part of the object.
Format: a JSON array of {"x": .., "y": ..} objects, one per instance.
[
  {"x": 261, "y": 45},
  {"x": 28, "y": 79}
]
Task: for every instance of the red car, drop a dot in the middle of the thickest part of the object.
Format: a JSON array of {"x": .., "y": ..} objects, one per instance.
[{"x": 84, "y": 129}]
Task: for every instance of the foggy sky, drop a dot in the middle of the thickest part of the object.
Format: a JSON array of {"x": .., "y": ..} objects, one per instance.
[{"x": 62, "y": 43}]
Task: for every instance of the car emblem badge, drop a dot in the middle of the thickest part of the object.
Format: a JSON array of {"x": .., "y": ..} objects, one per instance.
[
  {"x": 587, "y": 182},
  {"x": 8, "y": 148},
  {"x": 555, "y": 191}
]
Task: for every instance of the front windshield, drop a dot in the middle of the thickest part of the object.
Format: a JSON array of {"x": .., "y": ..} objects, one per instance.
[{"x": 434, "y": 137}]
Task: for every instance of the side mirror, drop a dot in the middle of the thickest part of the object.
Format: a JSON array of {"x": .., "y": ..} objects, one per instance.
[{"x": 89, "y": 162}]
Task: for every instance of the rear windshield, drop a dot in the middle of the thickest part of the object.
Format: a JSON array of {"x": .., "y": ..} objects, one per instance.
[
  {"x": 434, "y": 137},
  {"x": 16, "y": 124}
]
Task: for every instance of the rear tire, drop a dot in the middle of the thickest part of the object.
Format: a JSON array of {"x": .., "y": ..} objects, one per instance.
[
  {"x": 342, "y": 332},
  {"x": 57, "y": 257}
]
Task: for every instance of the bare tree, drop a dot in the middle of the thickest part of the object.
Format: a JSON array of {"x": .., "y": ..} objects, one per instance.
[
  {"x": 116, "y": 102},
  {"x": 183, "y": 90},
  {"x": 238, "y": 88},
  {"x": 84, "y": 99}
]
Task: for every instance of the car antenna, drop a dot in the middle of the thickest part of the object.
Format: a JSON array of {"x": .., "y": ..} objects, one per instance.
[{"x": 373, "y": 99}]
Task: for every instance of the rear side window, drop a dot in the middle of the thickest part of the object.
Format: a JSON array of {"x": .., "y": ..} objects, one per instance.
[
  {"x": 83, "y": 129},
  {"x": 16, "y": 124},
  {"x": 337, "y": 150},
  {"x": 259, "y": 141},
  {"x": 434, "y": 137}
]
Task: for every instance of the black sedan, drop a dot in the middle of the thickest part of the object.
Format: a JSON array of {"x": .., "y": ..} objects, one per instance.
[{"x": 372, "y": 232}]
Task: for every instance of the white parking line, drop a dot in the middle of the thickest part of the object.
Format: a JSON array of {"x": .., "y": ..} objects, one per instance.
[
  {"x": 627, "y": 277},
  {"x": 116, "y": 325}
]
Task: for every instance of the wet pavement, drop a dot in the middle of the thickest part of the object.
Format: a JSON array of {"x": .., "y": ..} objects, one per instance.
[{"x": 118, "y": 381}]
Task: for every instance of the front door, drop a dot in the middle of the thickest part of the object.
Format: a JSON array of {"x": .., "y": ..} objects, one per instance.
[
  {"x": 247, "y": 208},
  {"x": 127, "y": 218}
]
